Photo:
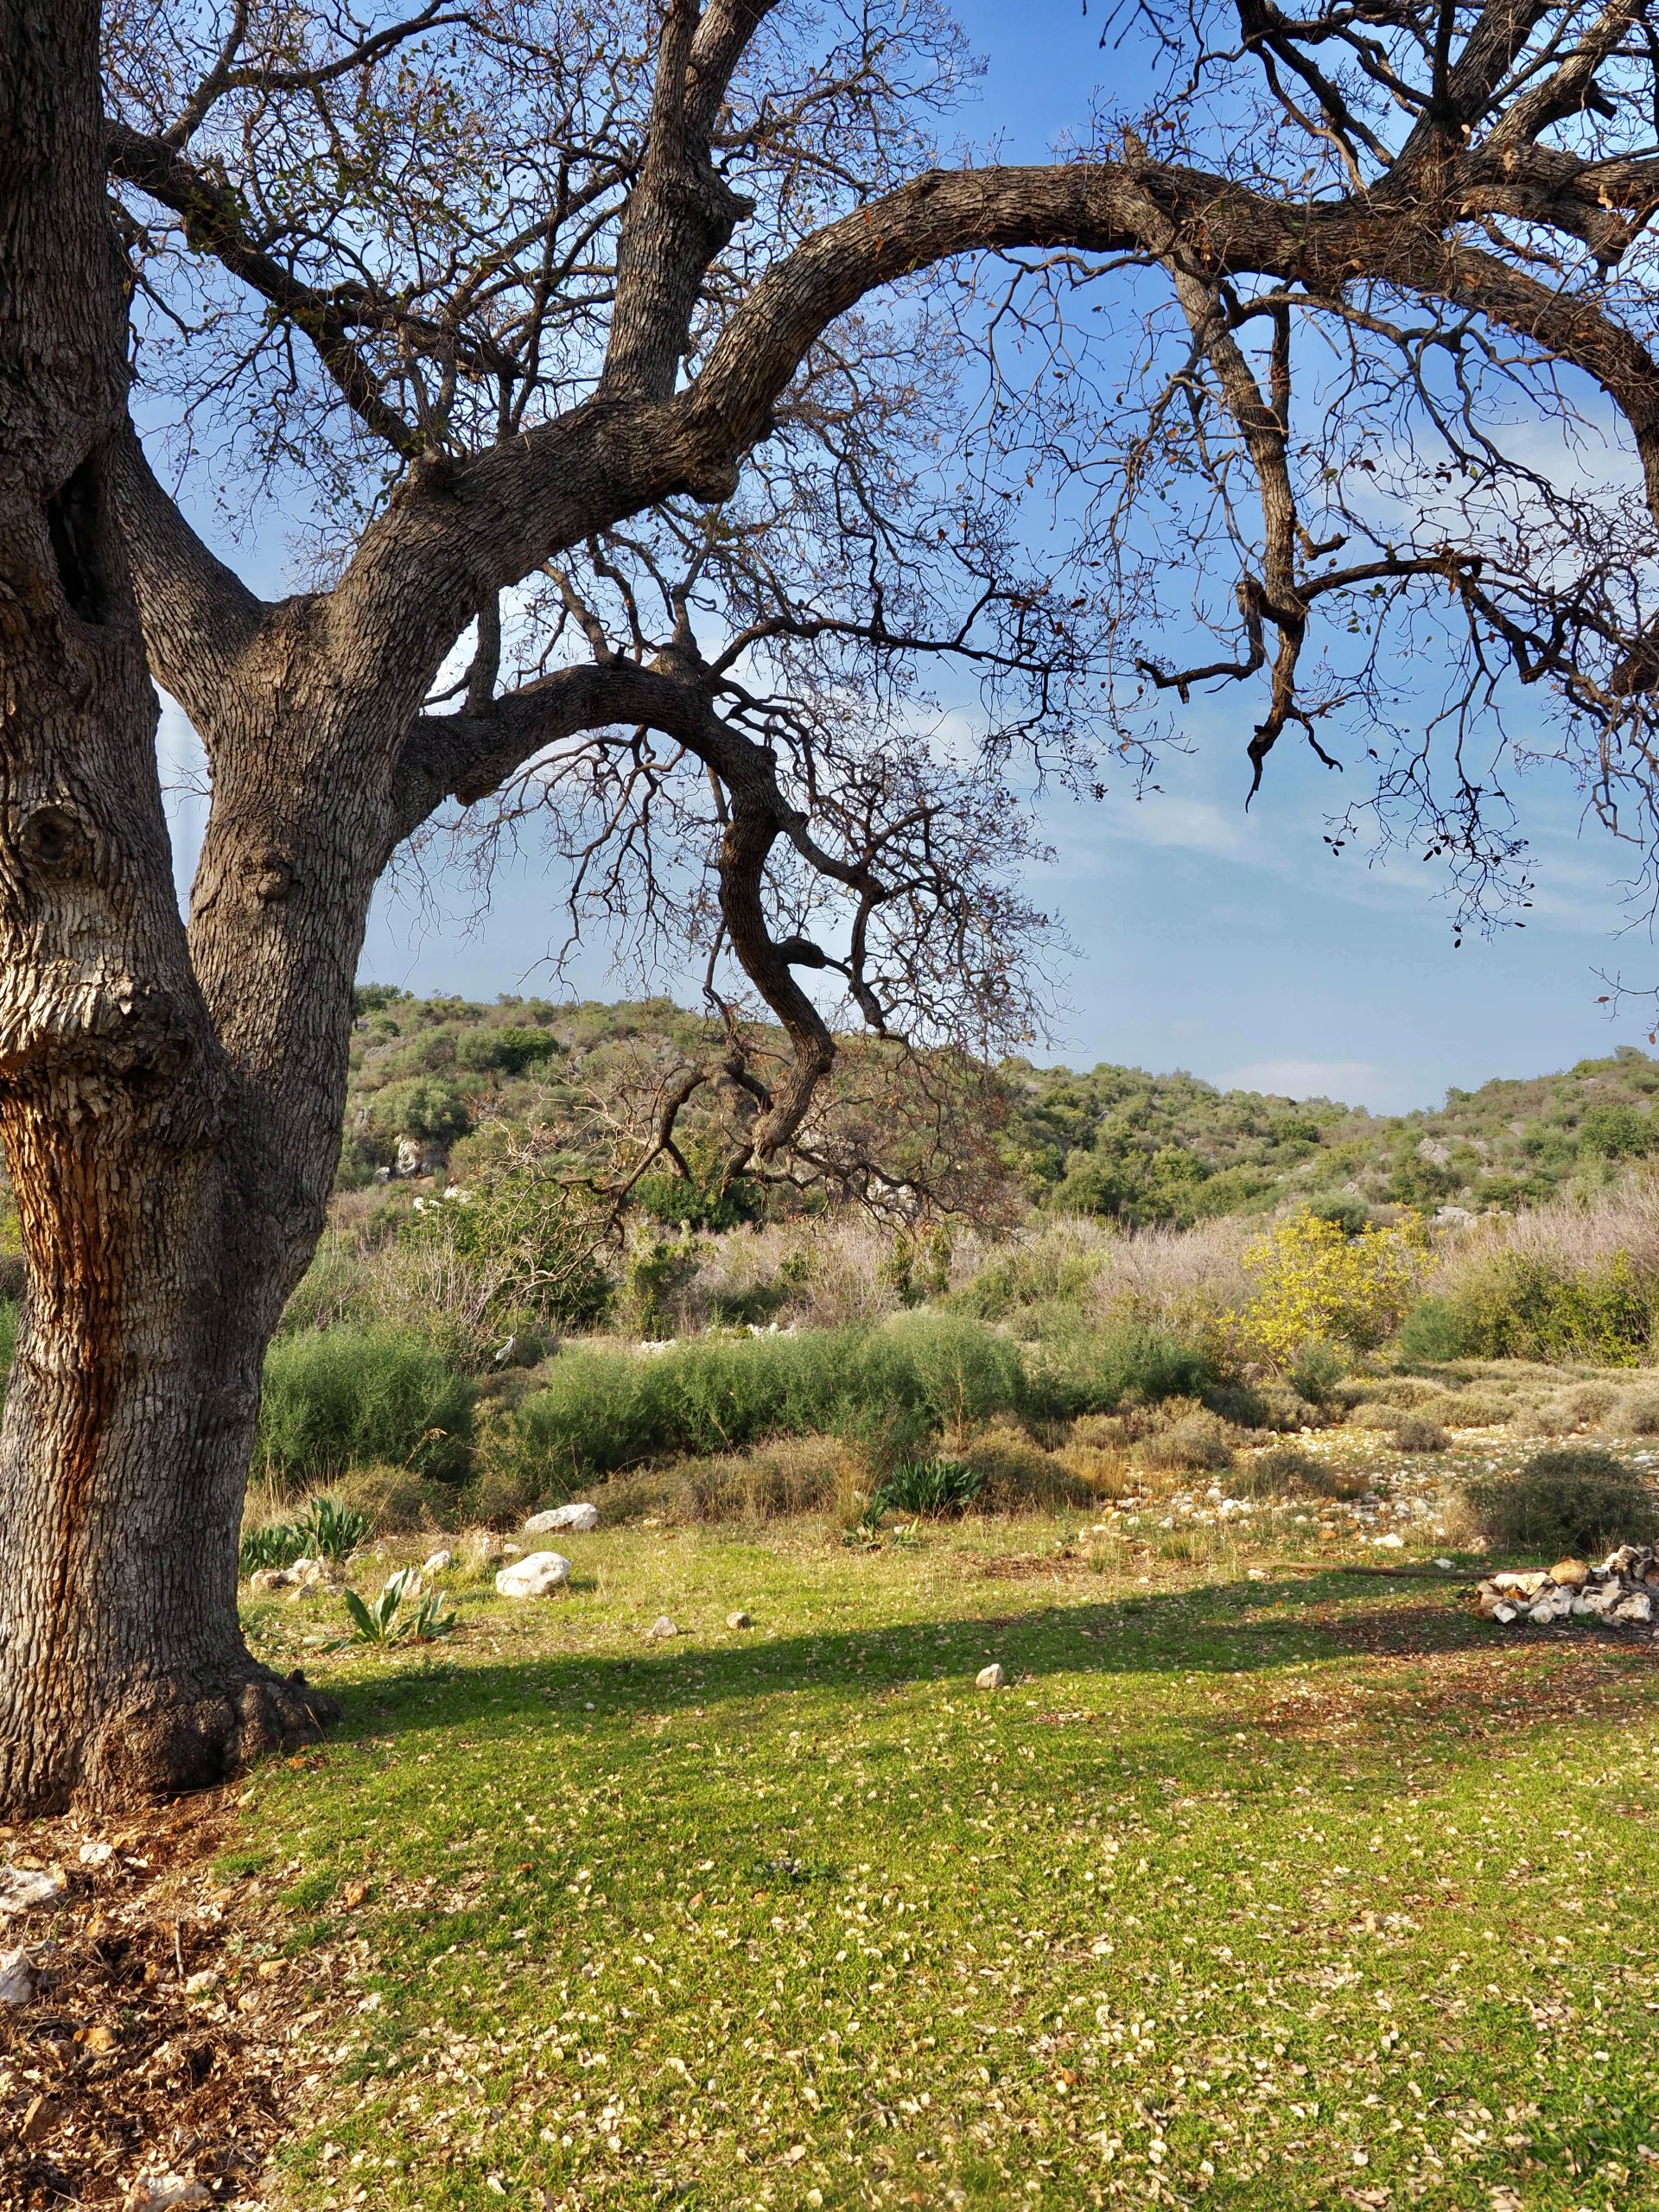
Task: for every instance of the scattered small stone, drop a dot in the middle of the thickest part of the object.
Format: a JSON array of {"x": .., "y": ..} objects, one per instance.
[
  {"x": 1570, "y": 1573},
  {"x": 1449, "y": 1564},
  {"x": 23, "y": 1887},
  {"x": 96, "y": 1855},
  {"x": 438, "y": 1562},
  {"x": 1392, "y": 1542},
  {"x": 537, "y": 1575},
  {"x": 17, "y": 1982},
  {"x": 662, "y": 1627},
  {"x": 991, "y": 1677},
  {"x": 199, "y": 1985},
  {"x": 582, "y": 1518},
  {"x": 739, "y": 1620}
]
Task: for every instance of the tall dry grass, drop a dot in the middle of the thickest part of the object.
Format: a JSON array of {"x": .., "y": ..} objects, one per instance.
[{"x": 1572, "y": 1236}]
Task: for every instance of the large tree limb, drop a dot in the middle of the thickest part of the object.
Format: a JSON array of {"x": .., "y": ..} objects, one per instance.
[
  {"x": 681, "y": 212},
  {"x": 200, "y": 619}
]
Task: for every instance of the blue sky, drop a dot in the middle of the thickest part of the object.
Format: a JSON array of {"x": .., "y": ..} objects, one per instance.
[{"x": 1233, "y": 945}]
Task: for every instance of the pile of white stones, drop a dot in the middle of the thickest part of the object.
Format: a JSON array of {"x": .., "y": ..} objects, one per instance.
[{"x": 1623, "y": 1592}]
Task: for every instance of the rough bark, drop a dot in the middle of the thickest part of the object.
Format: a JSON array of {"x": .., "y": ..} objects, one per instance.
[{"x": 124, "y": 1448}]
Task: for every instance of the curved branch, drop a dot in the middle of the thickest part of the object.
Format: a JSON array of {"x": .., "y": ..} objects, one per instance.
[{"x": 200, "y": 619}]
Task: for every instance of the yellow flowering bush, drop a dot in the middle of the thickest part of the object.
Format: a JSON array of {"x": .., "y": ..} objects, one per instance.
[{"x": 1314, "y": 1284}]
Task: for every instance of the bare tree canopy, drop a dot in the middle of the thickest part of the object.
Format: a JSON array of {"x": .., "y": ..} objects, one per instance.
[
  {"x": 682, "y": 432},
  {"x": 663, "y": 326}
]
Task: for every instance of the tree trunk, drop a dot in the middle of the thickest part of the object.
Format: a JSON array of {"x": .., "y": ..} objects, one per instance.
[{"x": 151, "y": 1289}]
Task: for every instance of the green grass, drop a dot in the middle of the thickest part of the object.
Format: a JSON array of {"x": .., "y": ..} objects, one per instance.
[{"x": 1267, "y": 1893}]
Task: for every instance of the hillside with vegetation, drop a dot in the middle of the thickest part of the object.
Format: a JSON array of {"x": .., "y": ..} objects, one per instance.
[{"x": 454, "y": 1080}]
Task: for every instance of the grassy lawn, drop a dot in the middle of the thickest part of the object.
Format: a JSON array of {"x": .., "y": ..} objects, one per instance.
[{"x": 1278, "y": 1892}]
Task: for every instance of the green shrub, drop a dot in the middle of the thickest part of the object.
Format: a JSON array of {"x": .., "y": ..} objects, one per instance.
[
  {"x": 1411, "y": 1393},
  {"x": 1017, "y": 1475},
  {"x": 1196, "y": 1445},
  {"x": 884, "y": 1388},
  {"x": 790, "y": 1477},
  {"x": 1417, "y": 1433},
  {"x": 1042, "y": 1274},
  {"x": 1286, "y": 1471},
  {"x": 1591, "y": 1401},
  {"x": 504, "y": 1490},
  {"x": 1374, "y": 1412},
  {"x": 963, "y": 1373},
  {"x": 424, "y": 1107},
  {"x": 655, "y": 1281},
  {"x": 1097, "y": 1370},
  {"x": 1576, "y": 1499},
  {"x": 1316, "y": 1371},
  {"x": 1434, "y": 1331},
  {"x": 357, "y": 1395},
  {"x": 1472, "y": 1409},
  {"x": 1638, "y": 1414},
  {"x": 529, "y": 1239},
  {"x": 1508, "y": 1305}
]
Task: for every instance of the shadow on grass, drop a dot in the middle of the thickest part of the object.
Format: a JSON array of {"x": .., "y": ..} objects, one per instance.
[{"x": 1215, "y": 1630}]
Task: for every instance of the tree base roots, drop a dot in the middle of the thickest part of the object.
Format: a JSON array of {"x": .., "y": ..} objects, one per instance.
[{"x": 181, "y": 1737}]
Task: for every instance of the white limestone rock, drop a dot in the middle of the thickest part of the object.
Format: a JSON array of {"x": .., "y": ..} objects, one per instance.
[
  {"x": 582, "y": 1519},
  {"x": 538, "y": 1574},
  {"x": 21, "y": 1888}
]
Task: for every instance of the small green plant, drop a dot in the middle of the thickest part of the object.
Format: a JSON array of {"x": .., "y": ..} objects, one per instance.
[
  {"x": 932, "y": 1488},
  {"x": 655, "y": 1282},
  {"x": 279, "y": 1543},
  {"x": 1315, "y": 1371},
  {"x": 1576, "y": 1499},
  {"x": 327, "y": 1530},
  {"x": 384, "y": 1620}
]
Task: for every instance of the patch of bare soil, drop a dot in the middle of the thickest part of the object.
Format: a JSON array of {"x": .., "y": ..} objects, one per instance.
[
  {"x": 146, "y": 2068},
  {"x": 1019, "y": 1567},
  {"x": 1483, "y": 1695}
]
